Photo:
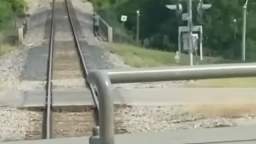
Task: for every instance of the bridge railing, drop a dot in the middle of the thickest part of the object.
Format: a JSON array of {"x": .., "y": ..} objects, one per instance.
[{"x": 103, "y": 80}]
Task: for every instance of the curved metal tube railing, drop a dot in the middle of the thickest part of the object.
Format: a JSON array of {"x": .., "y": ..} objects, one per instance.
[{"x": 104, "y": 79}]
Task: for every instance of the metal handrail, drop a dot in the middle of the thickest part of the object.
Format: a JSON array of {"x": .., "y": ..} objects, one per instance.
[
  {"x": 109, "y": 30},
  {"x": 104, "y": 79},
  {"x": 183, "y": 73}
]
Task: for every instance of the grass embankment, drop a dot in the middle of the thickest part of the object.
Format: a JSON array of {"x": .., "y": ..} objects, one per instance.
[
  {"x": 10, "y": 12},
  {"x": 140, "y": 57},
  {"x": 6, "y": 48}
]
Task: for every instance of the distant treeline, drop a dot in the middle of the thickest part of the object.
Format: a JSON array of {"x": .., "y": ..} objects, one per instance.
[{"x": 222, "y": 24}]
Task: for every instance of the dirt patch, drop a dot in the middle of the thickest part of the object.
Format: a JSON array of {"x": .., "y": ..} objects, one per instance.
[{"x": 226, "y": 111}]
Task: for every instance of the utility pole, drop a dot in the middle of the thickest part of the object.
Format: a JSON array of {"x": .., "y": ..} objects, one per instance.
[
  {"x": 244, "y": 31},
  {"x": 190, "y": 28},
  {"x": 138, "y": 27}
]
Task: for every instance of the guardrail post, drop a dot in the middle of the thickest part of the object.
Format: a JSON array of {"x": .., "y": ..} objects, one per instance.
[
  {"x": 110, "y": 34},
  {"x": 106, "y": 108}
]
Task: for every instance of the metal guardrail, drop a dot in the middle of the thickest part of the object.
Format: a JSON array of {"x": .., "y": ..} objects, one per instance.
[
  {"x": 106, "y": 30},
  {"x": 103, "y": 80}
]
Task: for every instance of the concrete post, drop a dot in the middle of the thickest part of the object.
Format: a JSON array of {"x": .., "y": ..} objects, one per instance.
[
  {"x": 201, "y": 44},
  {"x": 190, "y": 28},
  {"x": 138, "y": 27},
  {"x": 110, "y": 34},
  {"x": 21, "y": 34},
  {"x": 244, "y": 31}
]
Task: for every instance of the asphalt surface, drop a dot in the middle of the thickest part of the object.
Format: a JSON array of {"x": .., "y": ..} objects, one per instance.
[
  {"x": 237, "y": 135},
  {"x": 96, "y": 58},
  {"x": 153, "y": 97},
  {"x": 35, "y": 67}
]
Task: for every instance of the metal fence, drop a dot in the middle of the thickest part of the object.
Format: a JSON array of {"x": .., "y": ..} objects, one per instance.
[
  {"x": 113, "y": 34},
  {"x": 106, "y": 30},
  {"x": 103, "y": 80}
]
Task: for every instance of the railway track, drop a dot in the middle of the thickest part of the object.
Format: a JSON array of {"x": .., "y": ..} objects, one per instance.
[{"x": 66, "y": 62}]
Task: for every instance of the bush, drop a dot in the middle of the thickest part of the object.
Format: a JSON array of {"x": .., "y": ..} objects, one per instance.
[
  {"x": 9, "y": 9},
  {"x": 5, "y": 13},
  {"x": 17, "y": 6}
]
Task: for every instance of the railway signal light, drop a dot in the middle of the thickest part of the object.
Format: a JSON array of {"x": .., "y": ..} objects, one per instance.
[
  {"x": 201, "y": 7},
  {"x": 178, "y": 7}
]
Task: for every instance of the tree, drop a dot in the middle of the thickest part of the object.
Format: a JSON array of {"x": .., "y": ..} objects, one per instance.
[
  {"x": 222, "y": 23},
  {"x": 5, "y": 12}
]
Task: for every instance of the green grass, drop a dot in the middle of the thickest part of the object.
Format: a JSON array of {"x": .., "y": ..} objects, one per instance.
[
  {"x": 141, "y": 57},
  {"x": 6, "y": 48}
]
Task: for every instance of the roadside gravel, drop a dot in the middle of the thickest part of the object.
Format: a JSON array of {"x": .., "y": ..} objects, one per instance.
[
  {"x": 14, "y": 123},
  {"x": 11, "y": 66},
  {"x": 144, "y": 119}
]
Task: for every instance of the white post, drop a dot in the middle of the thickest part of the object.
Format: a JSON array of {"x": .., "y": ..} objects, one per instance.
[
  {"x": 179, "y": 41},
  {"x": 244, "y": 31},
  {"x": 201, "y": 44},
  {"x": 110, "y": 34},
  {"x": 138, "y": 27},
  {"x": 190, "y": 26},
  {"x": 21, "y": 34}
]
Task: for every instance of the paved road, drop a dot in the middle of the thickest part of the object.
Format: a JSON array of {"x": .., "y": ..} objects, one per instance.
[
  {"x": 96, "y": 58},
  {"x": 151, "y": 96},
  {"x": 36, "y": 64},
  {"x": 237, "y": 135}
]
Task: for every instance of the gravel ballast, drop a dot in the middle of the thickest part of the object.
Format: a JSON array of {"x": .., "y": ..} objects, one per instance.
[
  {"x": 17, "y": 124},
  {"x": 14, "y": 123},
  {"x": 144, "y": 119},
  {"x": 20, "y": 124}
]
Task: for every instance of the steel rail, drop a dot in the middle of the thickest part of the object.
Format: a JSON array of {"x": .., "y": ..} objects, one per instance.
[
  {"x": 81, "y": 56},
  {"x": 47, "y": 123},
  {"x": 47, "y": 116}
]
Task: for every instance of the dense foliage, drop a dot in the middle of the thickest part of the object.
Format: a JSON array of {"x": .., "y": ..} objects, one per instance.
[
  {"x": 9, "y": 9},
  {"x": 222, "y": 24}
]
